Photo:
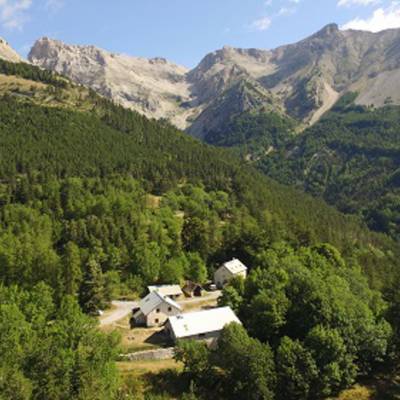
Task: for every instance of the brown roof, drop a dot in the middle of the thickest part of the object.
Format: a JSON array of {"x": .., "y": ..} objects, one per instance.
[{"x": 190, "y": 286}]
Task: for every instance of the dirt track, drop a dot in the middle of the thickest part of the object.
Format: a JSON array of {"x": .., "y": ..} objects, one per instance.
[{"x": 120, "y": 310}]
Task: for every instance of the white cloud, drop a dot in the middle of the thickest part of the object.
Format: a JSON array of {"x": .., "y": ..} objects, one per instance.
[
  {"x": 13, "y": 13},
  {"x": 261, "y": 24},
  {"x": 54, "y": 5},
  {"x": 348, "y": 3},
  {"x": 285, "y": 11},
  {"x": 381, "y": 19}
]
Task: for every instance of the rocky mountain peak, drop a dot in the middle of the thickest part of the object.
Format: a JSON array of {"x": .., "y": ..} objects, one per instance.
[
  {"x": 327, "y": 30},
  {"x": 8, "y": 53},
  {"x": 158, "y": 60},
  {"x": 302, "y": 80}
]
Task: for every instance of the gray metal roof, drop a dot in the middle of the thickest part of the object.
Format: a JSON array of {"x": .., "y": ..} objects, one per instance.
[
  {"x": 153, "y": 300},
  {"x": 166, "y": 290},
  {"x": 196, "y": 323}
]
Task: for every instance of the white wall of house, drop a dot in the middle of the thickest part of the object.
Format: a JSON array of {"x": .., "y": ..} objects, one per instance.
[
  {"x": 222, "y": 276},
  {"x": 160, "y": 314}
]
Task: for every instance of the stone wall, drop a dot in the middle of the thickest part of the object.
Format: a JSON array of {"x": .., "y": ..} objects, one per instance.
[{"x": 157, "y": 354}]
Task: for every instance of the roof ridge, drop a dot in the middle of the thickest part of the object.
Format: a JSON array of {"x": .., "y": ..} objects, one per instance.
[{"x": 172, "y": 302}]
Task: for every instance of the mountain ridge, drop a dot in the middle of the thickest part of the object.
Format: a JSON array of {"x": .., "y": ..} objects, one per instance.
[{"x": 302, "y": 80}]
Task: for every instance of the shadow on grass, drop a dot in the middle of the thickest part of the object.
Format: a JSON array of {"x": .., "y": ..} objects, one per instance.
[
  {"x": 159, "y": 339},
  {"x": 169, "y": 381}
]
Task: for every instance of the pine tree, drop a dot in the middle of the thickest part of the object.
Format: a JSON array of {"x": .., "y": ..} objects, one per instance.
[
  {"x": 72, "y": 273},
  {"x": 92, "y": 289}
]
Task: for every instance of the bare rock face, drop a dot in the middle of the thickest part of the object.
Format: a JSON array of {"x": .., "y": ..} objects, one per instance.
[
  {"x": 152, "y": 87},
  {"x": 303, "y": 80},
  {"x": 8, "y": 53}
]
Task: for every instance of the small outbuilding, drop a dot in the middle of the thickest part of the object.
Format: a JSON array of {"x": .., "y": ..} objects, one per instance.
[
  {"x": 155, "y": 309},
  {"x": 192, "y": 289},
  {"x": 172, "y": 291},
  {"x": 201, "y": 325},
  {"x": 228, "y": 271}
]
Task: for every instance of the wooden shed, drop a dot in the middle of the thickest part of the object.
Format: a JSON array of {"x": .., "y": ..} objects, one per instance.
[{"x": 192, "y": 289}]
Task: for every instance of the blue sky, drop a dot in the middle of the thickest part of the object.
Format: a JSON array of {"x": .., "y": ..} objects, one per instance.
[{"x": 185, "y": 30}]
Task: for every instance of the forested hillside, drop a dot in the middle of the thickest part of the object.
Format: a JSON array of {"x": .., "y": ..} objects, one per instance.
[
  {"x": 254, "y": 134},
  {"x": 97, "y": 202},
  {"x": 351, "y": 158},
  {"x": 57, "y": 147}
]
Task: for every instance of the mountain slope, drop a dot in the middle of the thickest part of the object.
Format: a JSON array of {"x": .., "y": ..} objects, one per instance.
[
  {"x": 61, "y": 131},
  {"x": 351, "y": 158},
  {"x": 301, "y": 80}
]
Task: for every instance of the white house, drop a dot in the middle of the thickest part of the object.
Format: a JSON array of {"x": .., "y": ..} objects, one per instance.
[
  {"x": 229, "y": 270},
  {"x": 200, "y": 325},
  {"x": 172, "y": 291},
  {"x": 155, "y": 309}
]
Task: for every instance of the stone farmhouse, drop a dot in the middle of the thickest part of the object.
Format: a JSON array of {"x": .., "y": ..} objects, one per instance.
[
  {"x": 155, "y": 309},
  {"x": 229, "y": 270}
]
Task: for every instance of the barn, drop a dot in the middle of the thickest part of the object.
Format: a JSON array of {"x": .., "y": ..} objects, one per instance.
[{"x": 200, "y": 325}]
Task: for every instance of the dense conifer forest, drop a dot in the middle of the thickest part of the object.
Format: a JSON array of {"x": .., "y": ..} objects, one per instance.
[
  {"x": 350, "y": 158},
  {"x": 96, "y": 203}
]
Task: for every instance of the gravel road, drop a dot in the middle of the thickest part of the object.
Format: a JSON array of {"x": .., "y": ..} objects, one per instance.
[
  {"x": 120, "y": 311},
  {"x": 123, "y": 308}
]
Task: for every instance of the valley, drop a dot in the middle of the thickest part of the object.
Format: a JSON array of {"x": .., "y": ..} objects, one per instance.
[
  {"x": 119, "y": 173},
  {"x": 265, "y": 104}
]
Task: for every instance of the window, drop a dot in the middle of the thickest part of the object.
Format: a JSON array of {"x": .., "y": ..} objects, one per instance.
[
  {"x": 158, "y": 310},
  {"x": 157, "y": 320},
  {"x": 169, "y": 308}
]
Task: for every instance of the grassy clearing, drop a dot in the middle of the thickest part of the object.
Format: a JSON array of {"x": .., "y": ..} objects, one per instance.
[
  {"x": 159, "y": 377},
  {"x": 200, "y": 305},
  {"x": 143, "y": 367},
  {"x": 136, "y": 339},
  {"x": 14, "y": 83},
  {"x": 74, "y": 96}
]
